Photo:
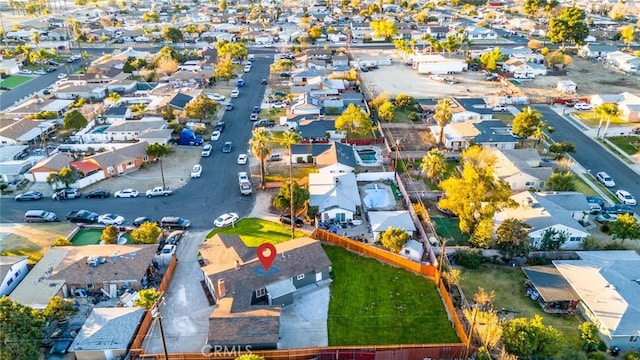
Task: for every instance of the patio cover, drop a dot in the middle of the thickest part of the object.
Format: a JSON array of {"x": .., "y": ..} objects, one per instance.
[{"x": 551, "y": 285}]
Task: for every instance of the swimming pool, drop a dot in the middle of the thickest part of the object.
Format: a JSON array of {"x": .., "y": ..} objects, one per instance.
[
  {"x": 369, "y": 156},
  {"x": 99, "y": 130}
]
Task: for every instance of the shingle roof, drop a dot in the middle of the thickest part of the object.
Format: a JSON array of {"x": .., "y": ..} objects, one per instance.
[
  {"x": 18, "y": 128},
  {"x": 337, "y": 153},
  {"x": 108, "y": 329},
  {"x": 180, "y": 100},
  {"x": 315, "y": 128},
  {"x": 54, "y": 162},
  {"x": 120, "y": 155},
  {"x": 492, "y": 131},
  {"x": 136, "y": 125},
  {"x": 313, "y": 149}
]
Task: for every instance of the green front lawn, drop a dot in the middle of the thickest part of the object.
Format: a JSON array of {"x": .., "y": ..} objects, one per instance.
[
  {"x": 402, "y": 116},
  {"x": 449, "y": 229},
  {"x": 505, "y": 117},
  {"x": 591, "y": 119},
  {"x": 254, "y": 232},
  {"x": 13, "y": 81},
  {"x": 281, "y": 173},
  {"x": 376, "y": 304},
  {"x": 510, "y": 294},
  {"x": 628, "y": 144}
]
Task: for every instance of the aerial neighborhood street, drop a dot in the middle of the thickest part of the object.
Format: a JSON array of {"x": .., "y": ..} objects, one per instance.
[{"x": 318, "y": 180}]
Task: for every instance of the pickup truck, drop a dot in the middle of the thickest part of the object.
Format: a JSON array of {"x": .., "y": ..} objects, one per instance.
[
  {"x": 159, "y": 191},
  {"x": 245, "y": 185}
]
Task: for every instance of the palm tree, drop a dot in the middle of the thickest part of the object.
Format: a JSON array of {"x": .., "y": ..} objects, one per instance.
[
  {"x": 538, "y": 133},
  {"x": 287, "y": 140},
  {"x": 158, "y": 151},
  {"x": 260, "y": 148},
  {"x": 607, "y": 110},
  {"x": 443, "y": 115},
  {"x": 433, "y": 165}
]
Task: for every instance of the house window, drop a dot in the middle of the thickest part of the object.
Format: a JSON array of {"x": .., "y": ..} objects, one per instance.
[
  {"x": 10, "y": 281},
  {"x": 17, "y": 272},
  {"x": 145, "y": 158},
  {"x": 300, "y": 277},
  {"x": 407, "y": 252},
  {"x": 110, "y": 170},
  {"x": 89, "y": 286},
  {"x": 261, "y": 292},
  {"x": 634, "y": 339},
  {"x": 130, "y": 164},
  {"x": 541, "y": 184},
  {"x": 529, "y": 184},
  {"x": 575, "y": 238}
]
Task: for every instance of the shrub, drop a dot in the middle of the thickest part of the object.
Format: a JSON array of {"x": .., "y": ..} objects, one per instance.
[
  {"x": 614, "y": 246},
  {"x": 61, "y": 241},
  {"x": 309, "y": 159},
  {"x": 605, "y": 228},
  {"x": 632, "y": 356},
  {"x": 299, "y": 160},
  {"x": 471, "y": 259},
  {"x": 596, "y": 356}
]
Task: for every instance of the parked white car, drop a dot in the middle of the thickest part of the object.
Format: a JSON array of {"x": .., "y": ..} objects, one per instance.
[
  {"x": 242, "y": 176},
  {"x": 500, "y": 108},
  {"x": 625, "y": 197},
  {"x": 39, "y": 72},
  {"x": 247, "y": 68},
  {"x": 215, "y": 136},
  {"x": 605, "y": 179},
  {"x": 582, "y": 106},
  {"x": 225, "y": 220},
  {"x": 206, "y": 150},
  {"x": 242, "y": 159},
  {"x": 62, "y": 76},
  {"x": 235, "y": 93},
  {"x": 110, "y": 219},
  {"x": 25, "y": 72},
  {"x": 126, "y": 193},
  {"x": 196, "y": 171},
  {"x": 216, "y": 97}
]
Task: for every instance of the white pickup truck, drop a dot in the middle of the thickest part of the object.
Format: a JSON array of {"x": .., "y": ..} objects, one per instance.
[
  {"x": 159, "y": 191},
  {"x": 245, "y": 185}
]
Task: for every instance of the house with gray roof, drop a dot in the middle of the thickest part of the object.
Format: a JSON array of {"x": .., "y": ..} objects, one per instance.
[
  {"x": 381, "y": 221},
  {"x": 107, "y": 333},
  {"x": 335, "y": 194},
  {"x": 494, "y": 133},
  {"x": 180, "y": 100},
  {"x": 248, "y": 297},
  {"x": 338, "y": 158},
  {"x": 547, "y": 219},
  {"x": 470, "y": 109},
  {"x": 316, "y": 130},
  {"x": 592, "y": 50},
  {"x": 130, "y": 130},
  {"x": 117, "y": 114},
  {"x": 522, "y": 169},
  {"x": 121, "y": 160},
  {"x": 608, "y": 284}
]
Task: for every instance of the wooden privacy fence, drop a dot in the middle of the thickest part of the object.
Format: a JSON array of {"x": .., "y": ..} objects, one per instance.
[
  {"x": 384, "y": 256},
  {"x": 136, "y": 345},
  {"x": 382, "y": 352}
]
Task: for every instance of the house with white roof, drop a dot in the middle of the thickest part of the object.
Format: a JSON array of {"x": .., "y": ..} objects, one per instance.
[
  {"x": 628, "y": 104},
  {"x": 381, "y": 221},
  {"x": 549, "y": 217},
  {"x": 335, "y": 194},
  {"x": 12, "y": 270},
  {"x": 608, "y": 284}
]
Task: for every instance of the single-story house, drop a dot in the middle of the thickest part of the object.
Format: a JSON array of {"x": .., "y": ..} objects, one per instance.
[
  {"x": 607, "y": 284},
  {"x": 381, "y": 221},
  {"x": 157, "y": 136},
  {"x": 248, "y": 296},
  {"x": 9, "y": 66},
  {"x": 480, "y": 33},
  {"x": 593, "y": 51},
  {"x": 130, "y": 130},
  {"x": 121, "y": 160},
  {"x": 335, "y": 194},
  {"x": 117, "y": 114},
  {"x": 316, "y": 130},
  {"x": 71, "y": 91},
  {"x": 546, "y": 219},
  {"x": 91, "y": 267},
  {"x": 338, "y": 158},
  {"x": 52, "y": 164},
  {"x": 628, "y": 104},
  {"x": 567, "y": 86},
  {"x": 488, "y": 134},
  {"x": 12, "y": 270},
  {"x": 26, "y": 131},
  {"x": 180, "y": 100},
  {"x": 107, "y": 333},
  {"x": 470, "y": 109},
  {"x": 522, "y": 169}
]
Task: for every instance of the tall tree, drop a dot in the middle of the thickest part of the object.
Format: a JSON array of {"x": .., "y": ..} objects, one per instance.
[
  {"x": 65, "y": 177},
  {"x": 512, "y": 238},
  {"x": 201, "y": 107},
  {"x": 540, "y": 11},
  {"x": 354, "y": 121},
  {"x": 561, "y": 181},
  {"x": 526, "y": 338},
  {"x": 525, "y": 123},
  {"x": 539, "y": 132},
  {"x": 443, "y": 115},
  {"x": 433, "y": 165},
  {"x": 74, "y": 120},
  {"x": 236, "y": 50},
  {"x": 384, "y": 28},
  {"x": 387, "y": 111},
  {"x": 606, "y": 110},
  {"x": 260, "y": 148},
  {"x": 21, "y": 330},
  {"x": 627, "y": 34},
  {"x": 393, "y": 239},
  {"x": 225, "y": 69},
  {"x": 476, "y": 195},
  {"x": 288, "y": 139},
  {"x": 625, "y": 227},
  {"x": 158, "y": 151},
  {"x": 110, "y": 235},
  {"x": 147, "y": 233},
  {"x": 569, "y": 26},
  {"x": 172, "y": 34}
]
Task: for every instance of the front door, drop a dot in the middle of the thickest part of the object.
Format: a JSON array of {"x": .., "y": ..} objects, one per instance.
[{"x": 340, "y": 217}]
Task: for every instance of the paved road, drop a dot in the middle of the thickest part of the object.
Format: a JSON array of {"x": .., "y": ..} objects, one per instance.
[
  {"x": 589, "y": 154},
  {"x": 201, "y": 200}
]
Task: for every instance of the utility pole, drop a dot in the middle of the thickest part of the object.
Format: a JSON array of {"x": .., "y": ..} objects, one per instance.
[
  {"x": 155, "y": 312},
  {"x": 441, "y": 262}
]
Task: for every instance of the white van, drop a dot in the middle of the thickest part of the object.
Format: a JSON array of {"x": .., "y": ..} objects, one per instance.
[{"x": 32, "y": 216}]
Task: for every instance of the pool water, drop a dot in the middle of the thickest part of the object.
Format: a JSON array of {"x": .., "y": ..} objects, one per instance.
[
  {"x": 368, "y": 156},
  {"x": 99, "y": 130}
]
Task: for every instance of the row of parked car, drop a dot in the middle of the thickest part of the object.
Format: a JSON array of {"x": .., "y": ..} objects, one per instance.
[{"x": 89, "y": 217}]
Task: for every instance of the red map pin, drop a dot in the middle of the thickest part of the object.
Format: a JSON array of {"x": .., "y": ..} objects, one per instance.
[{"x": 266, "y": 255}]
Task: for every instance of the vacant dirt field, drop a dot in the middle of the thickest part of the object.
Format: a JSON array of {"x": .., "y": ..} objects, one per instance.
[
  {"x": 591, "y": 77},
  {"x": 31, "y": 240}
]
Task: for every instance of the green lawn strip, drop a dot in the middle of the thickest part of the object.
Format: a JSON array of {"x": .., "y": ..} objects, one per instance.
[
  {"x": 281, "y": 174},
  {"x": 628, "y": 144},
  {"x": 616, "y": 152},
  {"x": 448, "y": 228},
  {"x": 376, "y": 304},
  {"x": 254, "y": 232},
  {"x": 591, "y": 119},
  {"x": 273, "y": 114},
  {"x": 14, "y": 81},
  {"x": 508, "y": 284}
]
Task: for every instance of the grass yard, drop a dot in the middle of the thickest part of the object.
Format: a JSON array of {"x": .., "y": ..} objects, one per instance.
[
  {"x": 402, "y": 116},
  {"x": 505, "y": 117},
  {"x": 281, "y": 173},
  {"x": 376, "y": 304},
  {"x": 254, "y": 232},
  {"x": 13, "y": 81},
  {"x": 92, "y": 237},
  {"x": 33, "y": 240},
  {"x": 273, "y": 114},
  {"x": 508, "y": 284},
  {"x": 616, "y": 151},
  {"x": 628, "y": 144},
  {"x": 447, "y": 228},
  {"x": 590, "y": 118}
]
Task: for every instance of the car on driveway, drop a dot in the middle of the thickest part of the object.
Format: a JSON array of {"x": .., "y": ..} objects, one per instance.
[
  {"x": 169, "y": 250},
  {"x": 279, "y": 105},
  {"x": 225, "y": 220},
  {"x": 82, "y": 216},
  {"x": 604, "y": 217},
  {"x": 29, "y": 196},
  {"x": 196, "y": 171},
  {"x": 144, "y": 219},
  {"x": 286, "y": 220},
  {"x": 625, "y": 197},
  {"x": 216, "y": 97},
  {"x": 215, "y": 136},
  {"x": 619, "y": 209},
  {"x": 65, "y": 194},
  {"x": 126, "y": 193},
  {"x": 227, "y": 147},
  {"x": 242, "y": 159},
  {"x": 582, "y": 106},
  {"x": 110, "y": 219},
  {"x": 98, "y": 193},
  {"x": 175, "y": 237},
  {"x": 605, "y": 179}
]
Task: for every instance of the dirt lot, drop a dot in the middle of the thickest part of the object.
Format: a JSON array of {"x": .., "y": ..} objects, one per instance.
[
  {"x": 591, "y": 77},
  {"x": 31, "y": 240}
]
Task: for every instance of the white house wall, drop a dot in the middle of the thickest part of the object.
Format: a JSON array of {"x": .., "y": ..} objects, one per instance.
[
  {"x": 17, "y": 273},
  {"x": 335, "y": 169},
  {"x": 577, "y": 235}
]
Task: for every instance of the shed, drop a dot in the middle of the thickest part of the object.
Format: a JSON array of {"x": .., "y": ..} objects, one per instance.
[
  {"x": 281, "y": 292},
  {"x": 566, "y": 86},
  {"x": 412, "y": 250}
]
